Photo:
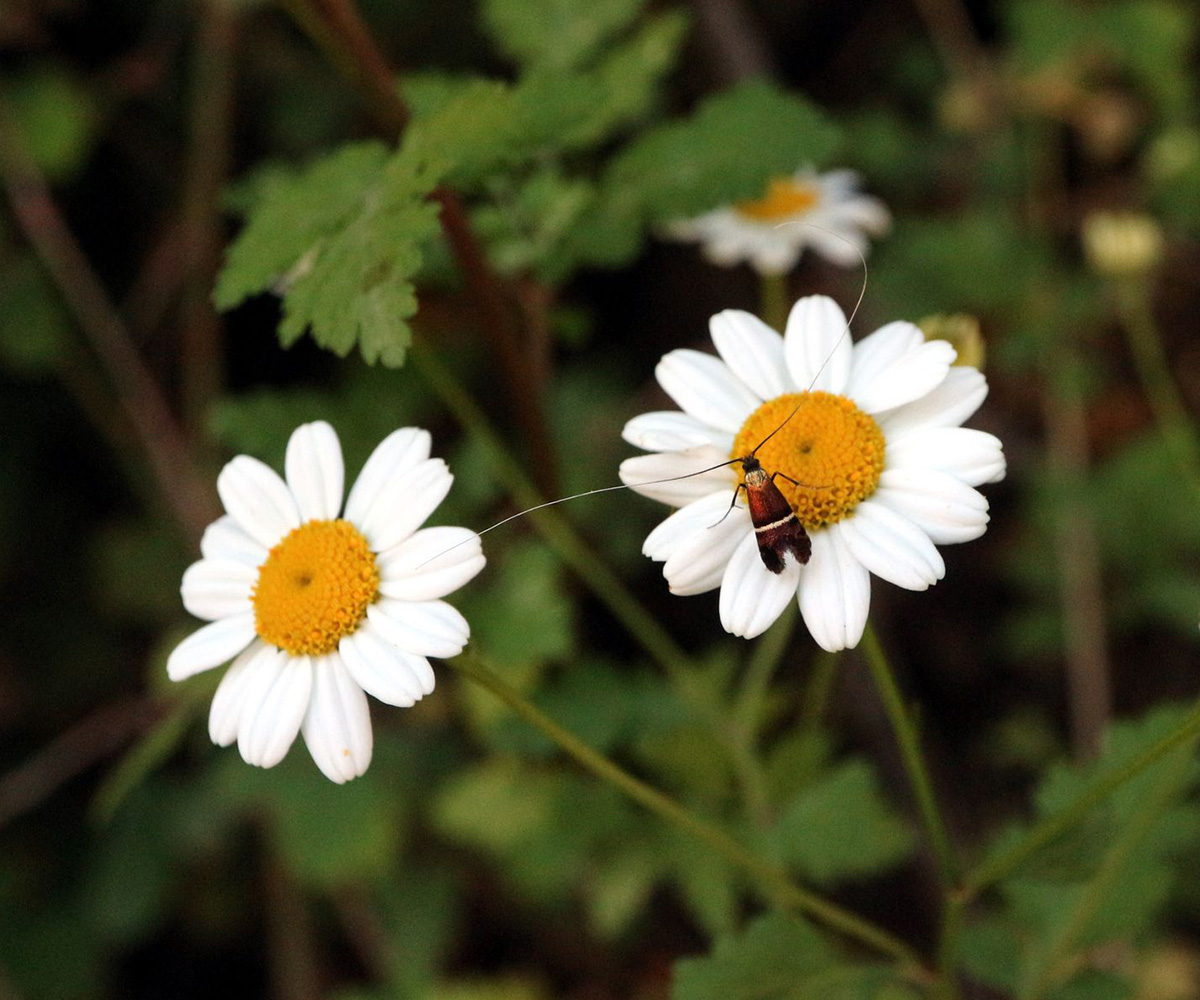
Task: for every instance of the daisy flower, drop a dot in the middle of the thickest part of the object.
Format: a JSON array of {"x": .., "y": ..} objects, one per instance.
[
  {"x": 838, "y": 219},
  {"x": 316, "y": 610},
  {"x": 875, "y": 437}
]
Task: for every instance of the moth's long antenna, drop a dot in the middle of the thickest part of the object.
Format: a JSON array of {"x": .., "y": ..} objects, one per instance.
[
  {"x": 573, "y": 496},
  {"x": 720, "y": 465},
  {"x": 853, "y": 312}
]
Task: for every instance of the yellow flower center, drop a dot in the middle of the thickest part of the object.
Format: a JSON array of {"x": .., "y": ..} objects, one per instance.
[
  {"x": 829, "y": 445},
  {"x": 315, "y": 587},
  {"x": 785, "y": 197}
]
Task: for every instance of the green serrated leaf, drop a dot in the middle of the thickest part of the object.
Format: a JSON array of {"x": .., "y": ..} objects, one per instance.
[
  {"x": 556, "y": 34},
  {"x": 291, "y": 212},
  {"x": 771, "y": 959},
  {"x": 840, "y": 826},
  {"x": 342, "y": 241},
  {"x": 780, "y": 958},
  {"x": 726, "y": 150}
]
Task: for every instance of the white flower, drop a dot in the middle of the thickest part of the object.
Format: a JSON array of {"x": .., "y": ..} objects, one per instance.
[
  {"x": 836, "y": 220},
  {"x": 318, "y": 611},
  {"x": 874, "y": 436}
]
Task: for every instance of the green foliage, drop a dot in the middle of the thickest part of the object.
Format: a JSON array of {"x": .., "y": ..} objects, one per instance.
[
  {"x": 556, "y": 35},
  {"x": 840, "y": 827},
  {"x": 780, "y": 958},
  {"x": 326, "y": 835},
  {"x": 35, "y": 329},
  {"x": 341, "y": 239},
  {"x": 726, "y": 150},
  {"x": 57, "y": 117},
  {"x": 1109, "y": 879},
  {"x": 1148, "y": 39}
]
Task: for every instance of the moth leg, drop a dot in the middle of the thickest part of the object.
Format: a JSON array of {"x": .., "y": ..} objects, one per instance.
[
  {"x": 796, "y": 482},
  {"x": 732, "y": 504}
]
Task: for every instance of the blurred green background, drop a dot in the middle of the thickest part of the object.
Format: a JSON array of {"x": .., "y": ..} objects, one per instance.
[{"x": 473, "y": 860}]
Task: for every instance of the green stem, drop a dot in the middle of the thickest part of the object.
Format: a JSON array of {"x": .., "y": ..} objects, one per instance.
[
  {"x": 952, "y": 913},
  {"x": 818, "y": 689},
  {"x": 1049, "y": 829},
  {"x": 773, "y": 879},
  {"x": 603, "y": 582},
  {"x": 748, "y": 715},
  {"x": 773, "y": 300},
  {"x": 763, "y": 662},
  {"x": 1154, "y": 370},
  {"x": 1095, "y": 894},
  {"x": 910, "y": 751}
]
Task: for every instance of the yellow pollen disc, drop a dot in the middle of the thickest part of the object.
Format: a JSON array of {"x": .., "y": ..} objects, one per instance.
[
  {"x": 315, "y": 588},
  {"x": 830, "y": 446},
  {"x": 785, "y": 198}
]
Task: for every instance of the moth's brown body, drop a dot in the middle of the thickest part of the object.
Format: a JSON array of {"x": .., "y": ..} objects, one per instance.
[{"x": 776, "y": 527}]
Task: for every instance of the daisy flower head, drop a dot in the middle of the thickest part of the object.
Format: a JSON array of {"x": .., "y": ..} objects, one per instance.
[
  {"x": 834, "y": 218},
  {"x": 883, "y": 472},
  {"x": 318, "y": 610}
]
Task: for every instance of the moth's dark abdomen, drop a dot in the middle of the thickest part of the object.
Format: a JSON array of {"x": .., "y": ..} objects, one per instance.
[{"x": 775, "y": 524}]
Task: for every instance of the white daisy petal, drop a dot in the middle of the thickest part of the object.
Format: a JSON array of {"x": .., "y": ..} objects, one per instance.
[
  {"x": 951, "y": 402},
  {"x": 223, "y": 539},
  {"x": 943, "y": 507},
  {"x": 431, "y": 563},
  {"x": 817, "y": 345},
  {"x": 752, "y": 597},
  {"x": 227, "y": 702},
  {"x": 407, "y": 498},
  {"x": 315, "y": 472},
  {"x": 426, "y": 628},
  {"x": 274, "y": 703},
  {"x": 753, "y": 351},
  {"x": 972, "y": 456},
  {"x": 258, "y": 500},
  {"x": 705, "y": 388},
  {"x": 217, "y": 588},
  {"x": 337, "y": 728},
  {"x": 400, "y": 450},
  {"x": 835, "y": 592},
  {"x": 685, "y": 522},
  {"x": 210, "y": 646},
  {"x": 698, "y": 562},
  {"x": 379, "y": 668},
  {"x": 670, "y": 430},
  {"x": 773, "y": 256},
  {"x": 907, "y": 378},
  {"x": 644, "y": 474},
  {"x": 835, "y": 241},
  {"x": 892, "y": 547},
  {"x": 878, "y": 351}
]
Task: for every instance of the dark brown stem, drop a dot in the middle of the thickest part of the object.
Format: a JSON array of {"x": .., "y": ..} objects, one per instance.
[
  {"x": 1082, "y": 597},
  {"x": 337, "y": 27},
  {"x": 290, "y": 959},
  {"x": 85, "y": 744},
  {"x": 208, "y": 167},
  {"x": 366, "y": 933},
  {"x": 737, "y": 45},
  {"x": 154, "y": 425}
]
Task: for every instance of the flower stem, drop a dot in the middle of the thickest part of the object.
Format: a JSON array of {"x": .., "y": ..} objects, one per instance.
[
  {"x": 747, "y": 715},
  {"x": 1001, "y": 865},
  {"x": 1170, "y": 412},
  {"x": 773, "y": 300},
  {"x": 910, "y": 751},
  {"x": 774, "y": 880}
]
